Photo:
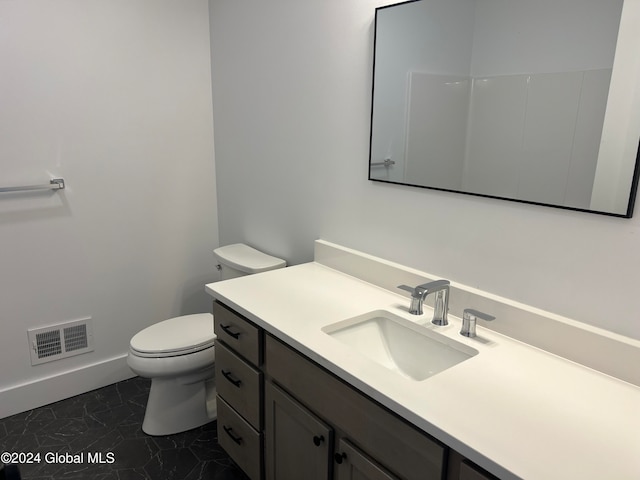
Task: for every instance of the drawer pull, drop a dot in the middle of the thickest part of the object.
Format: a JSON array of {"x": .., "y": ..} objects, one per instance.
[
  {"x": 227, "y": 329},
  {"x": 340, "y": 457},
  {"x": 317, "y": 440},
  {"x": 236, "y": 439},
  {"x": 229, "y": 377}
]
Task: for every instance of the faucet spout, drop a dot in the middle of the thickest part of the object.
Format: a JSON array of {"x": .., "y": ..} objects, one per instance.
[{"x": 419, "y": 294}]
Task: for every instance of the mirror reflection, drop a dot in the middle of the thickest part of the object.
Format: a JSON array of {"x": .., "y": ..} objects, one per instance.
[{"x": 500, "y": 98}]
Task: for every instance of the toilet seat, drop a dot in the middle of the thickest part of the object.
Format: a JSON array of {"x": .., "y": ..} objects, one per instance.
[{"x": 174, "y": 337}]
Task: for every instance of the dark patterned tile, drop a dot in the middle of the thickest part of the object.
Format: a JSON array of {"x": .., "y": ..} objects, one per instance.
[
  {"x": 23, "y": 442},
  {"x": 130, "y": 474},
  {"x": 205, "y": 446},
  {"x": 106, "y": 476},
  {"x": 116, "y": 415},
  {"x": 33, "y": 421},
  {"x": 70, "y": 408},
  {"x": 216, "y": 470},
  {"x": 62, "y": 431},
  {"x": 108, "y": 421},
  {"x": 138, "y": 403},
  {"x": 180, "y": 440},
  {"x": 102, "y": 439},
  {"x": 171, "y": 464},
  {"x": 134, "y": 452}
]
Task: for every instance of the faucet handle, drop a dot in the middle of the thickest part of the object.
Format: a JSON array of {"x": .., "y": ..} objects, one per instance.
[
  {"x": 434, "y": 285},
  {"x": 425, "y": 288},
  {"x": 419, "y": 293},
  {"x": 469, "y": 318},
  {"x": 416, "y": 299},
  {"x": 409, "y": 289}
]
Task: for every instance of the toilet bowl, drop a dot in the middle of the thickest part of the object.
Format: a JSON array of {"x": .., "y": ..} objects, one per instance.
[{"x": 178, "y": 355}]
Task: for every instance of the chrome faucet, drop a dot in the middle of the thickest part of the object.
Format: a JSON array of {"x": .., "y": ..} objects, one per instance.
[
  {"x": 419, "y": 293},
  {"x": 469, "y": 319}
]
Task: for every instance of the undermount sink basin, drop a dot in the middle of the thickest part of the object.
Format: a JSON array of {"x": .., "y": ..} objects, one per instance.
[{"x": 400, "y": 345}]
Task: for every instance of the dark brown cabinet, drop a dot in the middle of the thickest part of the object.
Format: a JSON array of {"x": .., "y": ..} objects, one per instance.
[
  {"x": 460, "y": 468},
  {"x": 297, "y": 443},
  {"x": 239, "y": 382},
  {"x": 381, "y": 438},
  {"x": 352, "y": 464},
  {"x": 283, "y": 417}
]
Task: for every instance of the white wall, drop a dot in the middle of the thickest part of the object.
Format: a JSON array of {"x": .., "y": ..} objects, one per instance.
[
  {"x": 292, "y": 87},
  {"x": 114, "y": 96}
]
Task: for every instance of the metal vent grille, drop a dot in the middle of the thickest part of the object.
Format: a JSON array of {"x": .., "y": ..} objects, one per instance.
[
  {"x": 48, "y": 344},
  {"x": 60, "y": 341},
  {"x": 75, "y": 338}
]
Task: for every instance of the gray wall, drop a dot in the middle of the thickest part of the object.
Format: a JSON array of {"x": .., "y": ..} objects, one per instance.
[{"x": 291, "y": 99}]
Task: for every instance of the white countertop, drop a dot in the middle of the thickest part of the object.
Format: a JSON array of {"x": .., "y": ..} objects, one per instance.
[{"x": 515, "y": 410}]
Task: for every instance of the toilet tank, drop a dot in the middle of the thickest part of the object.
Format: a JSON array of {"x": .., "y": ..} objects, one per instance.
[{"x": 239, "y": 259}]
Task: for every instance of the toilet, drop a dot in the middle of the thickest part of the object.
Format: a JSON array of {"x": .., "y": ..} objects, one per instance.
[{"x": 178, "y": 354}]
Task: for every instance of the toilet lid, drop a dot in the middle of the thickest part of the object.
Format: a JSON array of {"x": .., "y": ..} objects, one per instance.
[{"x": 176, "y": 335}]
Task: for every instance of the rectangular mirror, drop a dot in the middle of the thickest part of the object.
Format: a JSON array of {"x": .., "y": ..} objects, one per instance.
[{"x": 530, "y": 101}]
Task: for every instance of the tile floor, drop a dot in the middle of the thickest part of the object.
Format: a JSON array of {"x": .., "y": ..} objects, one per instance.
[{"x": 108, "y": 421}]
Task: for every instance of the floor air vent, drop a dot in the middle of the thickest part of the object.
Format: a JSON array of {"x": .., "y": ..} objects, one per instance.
[{"x": 60, "y": 341}]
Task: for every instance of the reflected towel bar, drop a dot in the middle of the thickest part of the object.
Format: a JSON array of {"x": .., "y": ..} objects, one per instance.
[
  {"x": 54, "y": 184},
  {"x": 387, "y": 163}
]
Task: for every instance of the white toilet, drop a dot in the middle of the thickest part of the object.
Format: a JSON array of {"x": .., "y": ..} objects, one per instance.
[{"x": 178, "y": 354}]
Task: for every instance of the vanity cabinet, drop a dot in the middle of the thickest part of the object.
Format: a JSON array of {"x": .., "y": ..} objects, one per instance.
[
  {"x": 281, "y": 416},
  {"x": 299, "y": 445},
  {"x": 370, "y": 438}
]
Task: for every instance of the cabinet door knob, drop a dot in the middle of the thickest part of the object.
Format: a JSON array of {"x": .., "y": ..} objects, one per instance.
[
  {"x": 317, "y": 440},
  {"x": 339, "y": 457}
]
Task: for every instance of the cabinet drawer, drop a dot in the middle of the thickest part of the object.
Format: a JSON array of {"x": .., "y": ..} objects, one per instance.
[
  {"x": 239, "y": 440},
  {"x": 398, "y": 446},
  {"x": 239, "y": 384},
  {"x": 237, "y": 332}
]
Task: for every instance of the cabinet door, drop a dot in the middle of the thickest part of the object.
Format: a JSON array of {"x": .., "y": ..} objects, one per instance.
[
  {"x": 297, "y": 444},
  {"x": 351, "y": 464}
]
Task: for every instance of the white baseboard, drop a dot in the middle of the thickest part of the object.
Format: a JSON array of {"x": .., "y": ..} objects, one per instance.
[{"x": 43, "y": 391}]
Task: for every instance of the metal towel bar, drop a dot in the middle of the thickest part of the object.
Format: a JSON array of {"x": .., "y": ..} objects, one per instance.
[
  {"x": 387, "y": 163},
  {"x": 54, "y": 184}
]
